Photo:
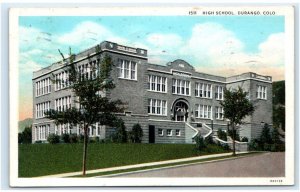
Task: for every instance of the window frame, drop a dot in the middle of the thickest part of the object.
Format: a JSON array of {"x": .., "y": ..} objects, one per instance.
[{"x": 160, "y": 132}]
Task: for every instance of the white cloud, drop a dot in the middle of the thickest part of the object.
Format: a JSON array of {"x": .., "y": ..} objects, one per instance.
[
  {"x": 168, "y": 41},
  {"x": 87, "y": 34},
  {"x": 272, "y": 50},
  {"x": 209, "y": 42},
  {"x": 29, "y": 66}
]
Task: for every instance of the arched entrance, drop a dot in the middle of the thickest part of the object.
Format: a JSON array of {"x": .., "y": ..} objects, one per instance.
[{"x": 180, "y": 110}]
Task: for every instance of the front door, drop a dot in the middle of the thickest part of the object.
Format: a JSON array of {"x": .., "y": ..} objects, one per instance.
[
  {"x": 181, "y": 111},
  {"x": 151, "y": 134}
]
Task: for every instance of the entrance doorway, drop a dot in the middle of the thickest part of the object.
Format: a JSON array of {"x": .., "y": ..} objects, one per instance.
[
  {"x": 151, "y": 134},
  {"x": 181, "y": 111}
]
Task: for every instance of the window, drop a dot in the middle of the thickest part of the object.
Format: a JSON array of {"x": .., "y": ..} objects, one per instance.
[
  {"x": 169, "y": 132},
  {"x": 219, "y": 92},
  {"x": 42, "y": 132},
  {"x": 157, "y": 107},
  {"x": 203, "y": 90},
  {"x": 219, "y": 113},
  {"x": 62, "y": 79},
  {"x": 43, "y": 87},
  {"x": 203, "y": 111},
  {"x": 177, "y": 132},
  {"x": 126, "y": 69},
  {"x": 180, "y": 87},
  {"x": 63, "y": 103},
  {"x": 160, "y": 132},
  {"x": 41, "y": 108},
  {"x": 261, "y": 92},
  {"x": 157, "y": 83}
]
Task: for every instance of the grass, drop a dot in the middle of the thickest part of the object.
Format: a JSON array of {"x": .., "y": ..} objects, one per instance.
[
  {"x": 46, "y": 159},
  {"x": 164, "y": 165}
]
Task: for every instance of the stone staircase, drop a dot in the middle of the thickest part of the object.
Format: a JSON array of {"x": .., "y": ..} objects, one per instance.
[
  {"x": 193, "y": 131},
  {"x": 205, "y": 131}
]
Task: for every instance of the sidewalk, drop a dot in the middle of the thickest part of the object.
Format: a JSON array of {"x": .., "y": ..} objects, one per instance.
[{"x": 138, "y": 165}]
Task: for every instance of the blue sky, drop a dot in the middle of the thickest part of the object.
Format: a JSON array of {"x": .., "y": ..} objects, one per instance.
[{"x": 217, "y": 45}]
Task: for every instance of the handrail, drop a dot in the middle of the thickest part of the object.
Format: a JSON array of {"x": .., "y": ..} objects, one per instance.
[
  {"x": 210, "y": 130},
  {"x": 239, "y": 142},
  {"x": 193, "y": 129},
  {"x": 218, "y": 139}
]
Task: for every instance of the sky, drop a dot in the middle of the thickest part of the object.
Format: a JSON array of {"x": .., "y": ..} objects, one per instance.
[{"x": 219, "y": 45}]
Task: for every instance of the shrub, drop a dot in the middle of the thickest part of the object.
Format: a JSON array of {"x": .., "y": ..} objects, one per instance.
[
  {"x": 121, "y": 134},
  {"x": 80, "y": 138},
  {"x": 226, "y": 147},
  {"x": 222, "y": 135},
  {"x": 94, "y": 140},
  {"x": 25, "y": 136},
  {"x": 20, "y": 138},
  {"x": 200, "y": 144},
  {"x": 39, "y": 141},
  {"x": 254, "y": 145},
  {"x": 209, "y": 140},
  {"x": 65, "y": 138},
  {"x": 73, "y": 138},
  {"x": 53, "y": 139},
  {"x": 244, "y": 139},
  {"x": 136, "y": 134},
  {"x": 265, "y": 136}
]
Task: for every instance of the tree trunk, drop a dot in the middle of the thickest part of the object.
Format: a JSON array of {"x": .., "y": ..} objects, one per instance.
[
  {"x": 85, "y": 143},
  {"x": 233, "y": 140}
]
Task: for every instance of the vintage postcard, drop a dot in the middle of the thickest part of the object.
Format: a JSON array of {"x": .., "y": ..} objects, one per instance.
[{"x": 152, "y": 96}]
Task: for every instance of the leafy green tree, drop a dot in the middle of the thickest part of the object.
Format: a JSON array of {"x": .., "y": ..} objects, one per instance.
[
  {"x": 278, "y": 88},
  {"x": 265, "y": 136},
  {"x": 200, "y": 143},
  {"x": 136, "y": 133},
  {"x": 236, "y": 108},
  {"x": 222, "y": 135},
  {"x": 121, "y": 134},
  {"x": 25, "y": 136},
  {"x": 88, "y": 89}
]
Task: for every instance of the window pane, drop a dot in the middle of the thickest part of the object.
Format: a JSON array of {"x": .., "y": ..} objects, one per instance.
[
  {"x": 126, "y": 69},
  {"x": 133, "y": 71}
]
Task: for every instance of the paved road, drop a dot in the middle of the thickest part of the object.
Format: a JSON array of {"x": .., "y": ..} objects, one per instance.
[{"x": 261, "y": 165}]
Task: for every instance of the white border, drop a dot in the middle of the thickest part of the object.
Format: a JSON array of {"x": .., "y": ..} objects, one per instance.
[{"x": 287, "y": 11}]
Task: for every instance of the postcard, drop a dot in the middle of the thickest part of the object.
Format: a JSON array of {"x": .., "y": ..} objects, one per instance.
[{"x": 152, "y": 96}]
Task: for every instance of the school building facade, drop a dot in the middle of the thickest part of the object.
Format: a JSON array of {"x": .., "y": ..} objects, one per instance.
[{"x": 173, "y": 103}]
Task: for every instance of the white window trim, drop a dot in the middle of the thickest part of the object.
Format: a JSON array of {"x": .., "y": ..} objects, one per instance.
[
  {"x": 260, "y": 91},
  {"x": 179, "y": 133},
  {"x": 203, "y": 111},
  {"x": 156, "y": 83},
  {"x": 181, "y": 83},
  {"x": 122, "y": 68},
  {"x": 42, "y": 87},
  {"x": 202, "y": 87},
  {"x": 171, "y": 132},
  {"x": 220, "y": 89},
  {"x": 218, "y": 111},
  {"x": 156, "y": 107},
  {"x": 162, "y": 132}
]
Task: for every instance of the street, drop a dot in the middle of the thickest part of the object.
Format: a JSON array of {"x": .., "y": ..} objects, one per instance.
[{"x": 258, "y": 165}]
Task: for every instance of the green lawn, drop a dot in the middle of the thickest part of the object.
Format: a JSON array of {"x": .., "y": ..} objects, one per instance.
[{"x": 46, "y": 159}]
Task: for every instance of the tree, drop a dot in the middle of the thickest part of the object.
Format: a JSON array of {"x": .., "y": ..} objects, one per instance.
[
  {"x": 136, "y": 133},
  {"x": 121, "y": 134},
  {"x": 279, "y": 104},
  {"x": 236, "y": 107},
  {"x": 25, "y": 136},
  {"x": 265, "y": 136},
  {"x": 89, "y": 90}
]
